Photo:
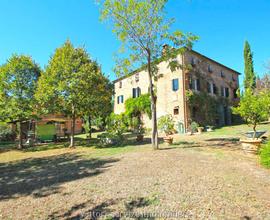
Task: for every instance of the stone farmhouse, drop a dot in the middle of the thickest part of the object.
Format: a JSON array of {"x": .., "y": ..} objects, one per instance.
[{"x": 202, "y": 76}]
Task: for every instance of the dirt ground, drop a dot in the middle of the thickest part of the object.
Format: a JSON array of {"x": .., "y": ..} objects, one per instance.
[{"x": 187, "y": 181}]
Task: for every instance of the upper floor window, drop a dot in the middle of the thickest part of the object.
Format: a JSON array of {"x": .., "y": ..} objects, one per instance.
[
  {"x": 210, "y": 70},
  {"x": 233, "y": 79},
  {"x": 235, "y": 95},
  {"x": 137, "y": 77},
  {"x": 192, "y": 61},
  {"x": 120, "y": 84},
  {"x": 215, "y": 89},
  {"x": 120, "y": 99},
  {"x": 194, "y": 84},
  {"x": 136, "y": 92},
  {"x": 222, "y": 74},
  {"x": 227, "y": 92},
  {"x": 209, "y": 87},
  {"x": 175, "y": 84}
]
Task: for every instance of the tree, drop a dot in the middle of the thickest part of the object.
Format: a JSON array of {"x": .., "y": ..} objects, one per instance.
[
  {"x": 263, "y": 83},
  {"x": 253, "y": 108},
  {"x": 250, "y": 78},
  {"x": 18, "y": 80},
  {"x": 142, "y": 28},
  {"x": 97, "y": 104},
  {"x": 71, "y": 79}
]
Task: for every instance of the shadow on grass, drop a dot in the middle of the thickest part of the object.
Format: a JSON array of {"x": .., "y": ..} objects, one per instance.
[
  {"x": 105, "y": 210},
  {"x": 224, "y": 139},
  {"x": 41, "y": 177}
]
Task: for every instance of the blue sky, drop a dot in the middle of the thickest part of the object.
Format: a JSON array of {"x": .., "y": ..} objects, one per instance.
[{"x": 37, "y": 27}]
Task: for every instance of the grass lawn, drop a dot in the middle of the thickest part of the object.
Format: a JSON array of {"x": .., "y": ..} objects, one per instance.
[{"x": 196, "y": 178}]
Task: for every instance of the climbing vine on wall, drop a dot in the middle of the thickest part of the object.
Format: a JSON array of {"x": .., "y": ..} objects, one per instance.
[{"x": 204, "y": 107}]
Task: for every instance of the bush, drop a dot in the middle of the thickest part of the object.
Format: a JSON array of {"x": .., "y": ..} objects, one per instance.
[
  {"x": 109, "y": 139},
  {"x": 117, "y": 124},
  {"x": 6, "y": 133},
  {"x": 265, "y": 155},
  {"x": 194, "y": 126}
]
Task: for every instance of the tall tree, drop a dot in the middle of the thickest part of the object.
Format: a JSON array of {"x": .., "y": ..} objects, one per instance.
[
  {"x": 97, "y": 103},
  {"x": 250, "y": 78},
  {"x": 143, "y": 29},
  {"x": 70, "y": 80},
  {"x": 18, "y": 80}
]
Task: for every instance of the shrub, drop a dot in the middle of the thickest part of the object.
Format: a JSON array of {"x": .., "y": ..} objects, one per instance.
[
  {"x": 117, "y": 124},
  {"x": 6, "y": 133},
  {"x": 265, "y": 155},
  {"x": 109, "y": 139},
  {"x": 194, "y": 126},
  {"x": 166, "y": 124}
]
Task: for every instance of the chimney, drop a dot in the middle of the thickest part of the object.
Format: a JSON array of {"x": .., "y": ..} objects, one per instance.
[{"x": 165, "y": 48}]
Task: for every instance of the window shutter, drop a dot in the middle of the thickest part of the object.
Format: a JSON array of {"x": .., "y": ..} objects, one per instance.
[
  {"x": 133, "y": 93},
  {"x": 198, "y": 85}
]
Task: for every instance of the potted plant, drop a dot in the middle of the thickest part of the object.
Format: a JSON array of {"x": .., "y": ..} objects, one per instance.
[
  {"x": 209, "y": 128},
  {"x": 253, "y": 108},
  {"x": 166, "y": 125}
]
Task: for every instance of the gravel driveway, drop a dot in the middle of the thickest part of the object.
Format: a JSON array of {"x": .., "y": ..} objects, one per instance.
[{"x": 186, "y": 183}]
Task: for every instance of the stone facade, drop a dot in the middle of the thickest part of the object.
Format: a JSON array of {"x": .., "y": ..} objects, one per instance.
[{"x": 203, "y": 75}]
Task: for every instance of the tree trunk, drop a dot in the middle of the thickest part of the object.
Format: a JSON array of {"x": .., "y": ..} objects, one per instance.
[
  {"x": 254, "y": 130},
  {"x": 72, "y": 144},
  {"x": 154, "y": 137},
  {"x": 20, "y": 145},
  {"x": 90, "y": 126}
]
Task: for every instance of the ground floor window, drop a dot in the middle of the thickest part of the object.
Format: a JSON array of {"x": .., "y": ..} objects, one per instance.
[{"x": 176, "y": 111}]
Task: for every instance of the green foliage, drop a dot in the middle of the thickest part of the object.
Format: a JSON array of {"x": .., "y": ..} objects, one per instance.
[
  {"x": 117, "y": 124},
  {"x": 250, "y": 78},
  {"x": 74, "y": 85},
  {"x": 253, "y": 108},
  {"x": 137, "y": 106},
  {"x": 6, "y": 133},
  {"x": 166, "y": 124},
  {"x": 194, "y": 126},
  {"x": 18, "y": 79},
  {"x": 143, "y": 29},
  {"x": 265, "y": 155},
  {"x": 206, "y": 106}
]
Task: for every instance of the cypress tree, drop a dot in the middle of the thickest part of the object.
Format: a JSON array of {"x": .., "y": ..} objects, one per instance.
[{"x": 250, "y": 78}]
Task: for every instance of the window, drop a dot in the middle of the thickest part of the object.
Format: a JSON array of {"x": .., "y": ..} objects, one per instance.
[
  {"x": 222, "y": 74},
  {"x": 120, "y": 99},
  {"x": 192, "y": 61},
  {"x": 215, "y": 89},
  {"x": 235, "y": 93},
  {"x": 136, "y": 92},
  {"x": 175, "y": 84},
  {"x": 210, "y": 70},
  {"x": 209, "y": 87},
  {"x": 191, "y": 83},
  {"x": 227, "y": 92},
  {"x": 233, "y": 79},
  {"x": 222, "y": 91},
  {"x": 176, "y": 110},
  {"x": 120, "y": 84},
  {"x": 194, "y": 84},
  {"x": 137, "y": 77},
  {"x": 197, "y": 85}
]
